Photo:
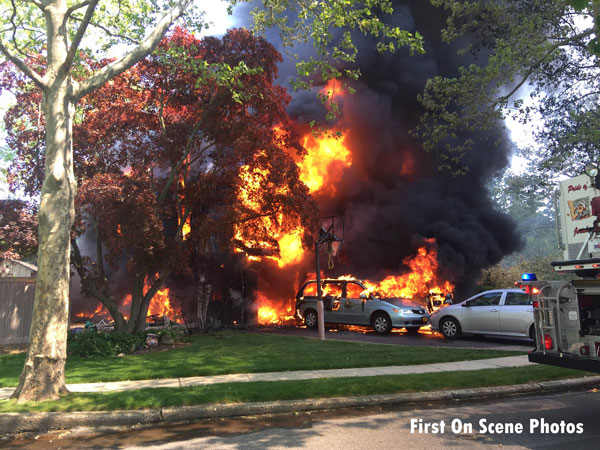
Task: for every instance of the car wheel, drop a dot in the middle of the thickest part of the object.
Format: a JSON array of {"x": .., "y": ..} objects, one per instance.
[
  {"x": 450, "y": 328},
  {"x": 310, "y": 318},
  {"x": 412, "y": 330},
  {"x": 382, "y": 323}
]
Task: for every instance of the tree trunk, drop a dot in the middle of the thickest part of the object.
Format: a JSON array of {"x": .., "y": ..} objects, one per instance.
[
  {"x": 43, "y": 374},
  {"x": 136, "y": 303},
  {"x": 99, "y": 292}
]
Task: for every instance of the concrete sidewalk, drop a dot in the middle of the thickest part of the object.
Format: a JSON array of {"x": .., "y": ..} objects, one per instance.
[{"x": 494, "y": 363}]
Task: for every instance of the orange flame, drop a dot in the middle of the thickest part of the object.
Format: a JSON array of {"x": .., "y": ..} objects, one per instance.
[
  {"x": 270, "y": 313},
  {"x": 286, "y": 231},
  {"x": 187, "y": 226},
  {"x": 100, "y": 311},
  {"x": 324, "y": 163},
  {"x": 420, "y": 281},
  {"x": 332, "y": 89},
  {"x": 159, "y": 305}
]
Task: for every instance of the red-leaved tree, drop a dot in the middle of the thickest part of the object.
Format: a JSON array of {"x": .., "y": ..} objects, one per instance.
[
  {"x": 18, "y": 230},
  {"x": 158, "y": 156}
]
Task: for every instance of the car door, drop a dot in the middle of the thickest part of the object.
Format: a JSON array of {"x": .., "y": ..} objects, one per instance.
[
  {"x": 352, "y": 306},
  {"x": 516, "y": 314},
  {"x": 332, "y": 295},
  {"x": 482, "y": 313}
]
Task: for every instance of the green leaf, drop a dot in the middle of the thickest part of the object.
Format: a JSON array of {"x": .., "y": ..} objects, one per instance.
[
  {"x": 578, "y": 5},
  {"x": 594, "y": 46}
]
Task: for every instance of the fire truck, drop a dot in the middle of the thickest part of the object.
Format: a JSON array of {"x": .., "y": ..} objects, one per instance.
[{"x": 567, "y": 313}]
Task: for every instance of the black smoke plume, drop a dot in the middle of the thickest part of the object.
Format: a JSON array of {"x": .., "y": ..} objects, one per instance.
[{"x": 393, "y": 197}]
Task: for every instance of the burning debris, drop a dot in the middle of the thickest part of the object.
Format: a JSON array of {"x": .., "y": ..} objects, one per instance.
[{"x": 161, "y": 312}]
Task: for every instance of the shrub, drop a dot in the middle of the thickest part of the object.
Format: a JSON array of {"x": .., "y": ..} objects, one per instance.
[
  {"x": 178, "y": 334},
  {"x": 92, "y": 343}
]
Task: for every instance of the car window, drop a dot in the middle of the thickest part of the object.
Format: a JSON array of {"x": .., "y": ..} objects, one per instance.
[
  {"x": 517, "y": 298},
  {"x": 353, "y": 290},
  {"x": 332, "y": 289},
  {"x": 491, "y": 299},
  {"x": 310, "y": 290}
]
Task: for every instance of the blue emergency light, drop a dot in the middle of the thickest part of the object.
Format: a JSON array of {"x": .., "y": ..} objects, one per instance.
[{"x": 528, "y": 277}]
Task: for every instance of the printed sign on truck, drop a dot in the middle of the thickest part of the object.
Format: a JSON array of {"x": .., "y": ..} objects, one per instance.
[{"x": 576, "y": 217}]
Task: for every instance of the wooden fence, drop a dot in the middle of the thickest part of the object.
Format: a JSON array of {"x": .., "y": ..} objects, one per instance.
[{"x": 16, "y": 309}]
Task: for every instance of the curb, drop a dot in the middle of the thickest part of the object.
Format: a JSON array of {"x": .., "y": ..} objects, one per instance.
[{"x": 12, "y": 423}]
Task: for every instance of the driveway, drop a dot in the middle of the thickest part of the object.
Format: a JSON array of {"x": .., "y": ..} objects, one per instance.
[{"x": 425, "y": 337}]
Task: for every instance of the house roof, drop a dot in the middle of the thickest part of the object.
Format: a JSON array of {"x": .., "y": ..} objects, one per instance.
[{"x": 29, "y": 266}]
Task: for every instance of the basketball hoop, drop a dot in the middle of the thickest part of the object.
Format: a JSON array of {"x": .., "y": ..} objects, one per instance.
[{"x": 327, "y": 236}]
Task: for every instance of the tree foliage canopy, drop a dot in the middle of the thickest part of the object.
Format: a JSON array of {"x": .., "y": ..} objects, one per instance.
[
  {"x": 536, "y": 60},
  {"x": 18, "y": 230}
]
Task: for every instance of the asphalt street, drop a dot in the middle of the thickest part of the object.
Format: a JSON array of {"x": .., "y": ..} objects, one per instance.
[
  {"x": 549, "y": 422},
  {"x": 425, "y": 337}
]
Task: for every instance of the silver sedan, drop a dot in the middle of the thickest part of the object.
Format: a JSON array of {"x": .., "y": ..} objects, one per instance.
[{"x": 502, "y": 312}]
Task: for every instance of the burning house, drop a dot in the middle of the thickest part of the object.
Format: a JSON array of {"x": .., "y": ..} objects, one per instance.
[{"x": 410, "y": 230}]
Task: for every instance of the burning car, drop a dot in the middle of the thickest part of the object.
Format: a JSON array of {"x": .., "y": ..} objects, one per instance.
[{"x": 349, "y": 302}]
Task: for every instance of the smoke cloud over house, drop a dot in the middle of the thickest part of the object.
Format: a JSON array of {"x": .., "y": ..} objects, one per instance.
[{"x": 393, "y": 197}]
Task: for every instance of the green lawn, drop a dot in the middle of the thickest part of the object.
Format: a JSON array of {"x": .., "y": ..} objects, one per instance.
[
  {"x": 290, "y": 390},
  {"x": 238, "y": 352}
]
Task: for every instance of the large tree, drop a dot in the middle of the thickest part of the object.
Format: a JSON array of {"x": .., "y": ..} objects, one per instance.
[
  {"x": 56, "y": 29},
  {"x": 535, "y": 60}
]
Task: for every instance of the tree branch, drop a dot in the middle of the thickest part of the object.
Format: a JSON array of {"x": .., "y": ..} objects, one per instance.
[
  {"x": 22, "y": 65},
  {"x": 137, "y": 54},
  {"x": 186, "y": 152},
  {"x": 535, "y": 65},
  {"x": 99, "y": 256},
  {"x": 89, "y": 12},
  {"x": 37, "y": 3},
  {"x": 74, "y": 8},
  {"x": 108, "y": 32}
]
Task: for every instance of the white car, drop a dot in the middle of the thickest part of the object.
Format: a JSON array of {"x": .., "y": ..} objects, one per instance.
[{"x": 501, "y": 312}]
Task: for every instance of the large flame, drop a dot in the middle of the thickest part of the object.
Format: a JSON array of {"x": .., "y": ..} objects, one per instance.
[
  {"x": 327, "y": 154},
  {"x": 160, "y": 305},
  {"x": 285, "y": 231},
  {"x": 323, "y": 165},
  {"x": 272, "y": 312},
  {"x": 419, "y": 282}
]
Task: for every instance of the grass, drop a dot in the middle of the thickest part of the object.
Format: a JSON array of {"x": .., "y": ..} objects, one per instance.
[
  {"x": 238, "y": 352},
  {"x": 291, "y": 390}
]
